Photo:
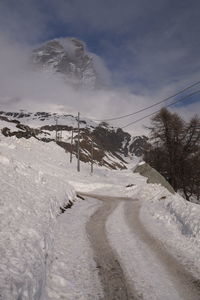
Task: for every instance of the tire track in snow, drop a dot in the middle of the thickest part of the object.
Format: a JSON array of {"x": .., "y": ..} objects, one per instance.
[{"x": 111, "y": 273}]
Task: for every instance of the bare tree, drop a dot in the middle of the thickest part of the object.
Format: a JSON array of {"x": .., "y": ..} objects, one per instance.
[{"x": 175, "y": 150}]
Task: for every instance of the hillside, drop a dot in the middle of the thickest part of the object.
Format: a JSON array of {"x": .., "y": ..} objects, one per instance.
[{"x": 113, "y": 147}]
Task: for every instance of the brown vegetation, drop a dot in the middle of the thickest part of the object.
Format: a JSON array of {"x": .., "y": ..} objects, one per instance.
[{"x": 175, "y": 151}]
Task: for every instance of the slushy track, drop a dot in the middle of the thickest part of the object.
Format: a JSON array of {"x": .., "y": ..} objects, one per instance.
[{"x": 115, "y": 284}]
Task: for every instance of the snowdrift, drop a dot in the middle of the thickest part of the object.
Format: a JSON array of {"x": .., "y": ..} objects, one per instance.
[{"x": 32, "y": 191}]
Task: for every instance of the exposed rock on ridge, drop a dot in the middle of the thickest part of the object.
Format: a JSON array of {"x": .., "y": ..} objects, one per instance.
[
  {"x": 112, "y": 148},
  {"x": 68, "y": 57}
]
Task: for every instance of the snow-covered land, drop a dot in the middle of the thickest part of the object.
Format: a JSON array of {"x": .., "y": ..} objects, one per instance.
[
  {"x": 45, "y": 255},
  {"x": 74, "y": 274},
  {"x": 33, "y": 188},
  {"x": 39, "y": 119}
]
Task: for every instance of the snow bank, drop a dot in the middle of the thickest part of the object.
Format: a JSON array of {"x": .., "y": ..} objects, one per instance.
[
  {"x": 172, "y": 209},
  {"x": 74, "y": 273},
  {"x": 32, "y": 190},
  {"x": 186, "y": 214},
  {"x": 171, "y": 219}
]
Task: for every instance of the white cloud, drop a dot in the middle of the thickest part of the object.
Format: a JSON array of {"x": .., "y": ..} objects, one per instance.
[
  {"x": 154, "y": 61},
  {"x": 23, "y": 88}
]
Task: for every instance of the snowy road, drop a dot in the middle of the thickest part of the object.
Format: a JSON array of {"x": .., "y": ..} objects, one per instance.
[
  {"x": 169, "y": 278},
  {"x": 111, "y": 274}
]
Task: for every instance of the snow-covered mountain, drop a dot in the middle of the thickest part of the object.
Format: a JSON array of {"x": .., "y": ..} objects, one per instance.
[
  {"x": 113, "y": 147},
  {"x": 68, "y": 56}
]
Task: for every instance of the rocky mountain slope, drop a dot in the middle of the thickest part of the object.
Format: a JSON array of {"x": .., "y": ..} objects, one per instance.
[
  {"x": 113, "y": 148},
  {"x": 67, "y": 57}
]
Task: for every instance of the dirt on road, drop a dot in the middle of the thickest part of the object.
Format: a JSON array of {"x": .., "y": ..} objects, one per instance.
[{"x": 111, "y": 274}]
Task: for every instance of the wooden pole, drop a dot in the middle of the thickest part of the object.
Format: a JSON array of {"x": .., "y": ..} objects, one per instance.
[
  {"x": 78, "y": 145},
  {"x": 71, "y": 145},
  {"x": 92, "y": 157},
  {"x": 56, "y": 129}
]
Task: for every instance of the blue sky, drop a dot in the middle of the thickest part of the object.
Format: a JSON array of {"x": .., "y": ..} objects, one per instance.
[
  {"x": 151, "y": 47},
  {"x": 143, "y": 42}
]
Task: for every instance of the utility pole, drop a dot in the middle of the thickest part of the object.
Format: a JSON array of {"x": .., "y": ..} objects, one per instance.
[
  {"x": 92, "y": 157},
  {"x": 71, "y": 145},
  {"x": 59, "y": 136},
  {"x": 78, "y": 145},
  {"x": 56, "y": 119}
]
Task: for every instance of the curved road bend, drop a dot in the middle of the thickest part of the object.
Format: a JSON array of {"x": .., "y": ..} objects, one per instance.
[{"x": 115, "y": 284}]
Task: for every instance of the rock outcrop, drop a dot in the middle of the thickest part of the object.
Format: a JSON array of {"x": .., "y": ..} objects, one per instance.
[
  {"x": 68, "y": 57},
  {"x": 113, "y": 148}
]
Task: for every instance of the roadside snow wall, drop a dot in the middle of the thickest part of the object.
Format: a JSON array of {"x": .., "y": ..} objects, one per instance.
[{"x": 32, "y": 190}]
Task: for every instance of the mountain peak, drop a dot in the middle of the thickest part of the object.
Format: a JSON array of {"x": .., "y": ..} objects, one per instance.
[{"x": 68, "y": 57}]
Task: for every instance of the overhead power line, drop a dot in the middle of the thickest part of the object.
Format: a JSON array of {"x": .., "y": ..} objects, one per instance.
[
  {"x": 171, "y": 104},
  {"x": 150, "y": 106}
]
